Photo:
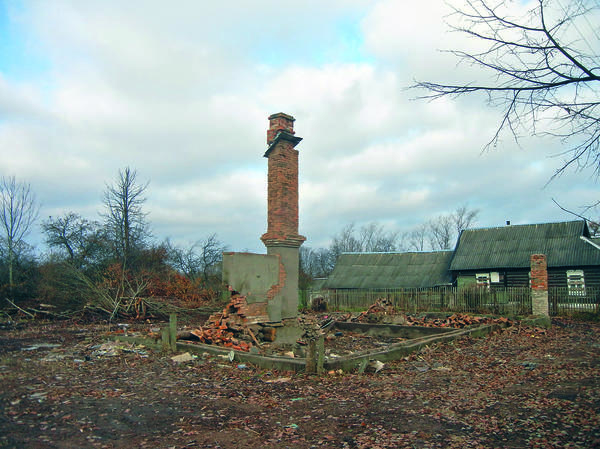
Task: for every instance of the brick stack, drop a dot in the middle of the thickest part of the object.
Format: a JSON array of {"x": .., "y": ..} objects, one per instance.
[
  {"x": 539, "y": 272},
  {"x": 539, "y": 285},
  {"x": 282, "y": 202}
]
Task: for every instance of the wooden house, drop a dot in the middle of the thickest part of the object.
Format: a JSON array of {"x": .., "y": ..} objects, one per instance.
[{"x": 501, "y": 256}]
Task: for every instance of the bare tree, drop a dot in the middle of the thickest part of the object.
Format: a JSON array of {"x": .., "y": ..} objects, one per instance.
[
  {"x": 594, "y": 228},
  {"x": 345, "y": 241},
  {"x": 199, "y": 260},
  {"x": 316, "y": 263},
  {"x": 417, "y": 238},
  {"x": 18, "y": 211},
  {"x": 371, "y": 237},
  {"x": 441, "y": 231},
  {"x": 463, "y": 218},
  {"x": 543, "y": 69},
  {"x": 374, "y": 238},
  {"x": 125, "y": 219},
  {"x": 211, "y": 251},
  {"x": 80, "y": 239},
  {"x": 593, "y": 225}
]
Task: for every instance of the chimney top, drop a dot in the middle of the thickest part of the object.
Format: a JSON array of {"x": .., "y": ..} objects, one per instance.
[
  {"x": 282, "y": 115},
  {"x": 277, "y": 123}
]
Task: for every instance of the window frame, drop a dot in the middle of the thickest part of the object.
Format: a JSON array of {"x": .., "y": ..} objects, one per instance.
[{"x": 575, "y": 282}]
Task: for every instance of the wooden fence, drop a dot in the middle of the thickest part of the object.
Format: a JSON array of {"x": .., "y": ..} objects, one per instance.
[
  {"x": 561, "y": 302},
  {"x": 507, "y": 301},
  {"x": 501, "y": 301}
]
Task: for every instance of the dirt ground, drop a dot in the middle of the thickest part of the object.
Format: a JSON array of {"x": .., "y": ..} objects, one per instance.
[{"x": 63, "y": 387}]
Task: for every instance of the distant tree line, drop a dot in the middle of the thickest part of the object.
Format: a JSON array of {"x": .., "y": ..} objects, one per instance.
[
  {"x": 113, "y": 265},
  {"x": 439, "y": 233}
]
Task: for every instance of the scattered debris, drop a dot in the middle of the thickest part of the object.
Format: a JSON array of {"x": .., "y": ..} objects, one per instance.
[
  {"x": 457, "y": 320},
  {"x": 114, "y": 348},
  {"x": 376, "y": 365},
  {"x": 281, "y": 380},
  {"x": 382, "y": 306},
  {"x": 382, "y": 310},
  {"x": 37, "y": 346},
  {"x": 182, "y": 358},
  {"x": 318, "y": 304},
  {"x": 529, "y": 365},
  {"x": 476, "y": 393},
  {"x": 40, "y": 396}
]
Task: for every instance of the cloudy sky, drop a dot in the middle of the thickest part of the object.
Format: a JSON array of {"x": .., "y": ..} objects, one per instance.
[{"x": 181, "y": 91}]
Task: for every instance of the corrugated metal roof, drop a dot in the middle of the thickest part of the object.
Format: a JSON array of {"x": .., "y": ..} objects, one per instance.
[
  {"x": 317, "y": 284},
  {"x": 512, "y": 246},
  {"x": 391, "y": 270}
]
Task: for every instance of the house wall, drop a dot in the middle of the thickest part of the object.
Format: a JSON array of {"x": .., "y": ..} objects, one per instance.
[
  {"x": 557, "y": 277},
  {"x": 508, "y": 278}
]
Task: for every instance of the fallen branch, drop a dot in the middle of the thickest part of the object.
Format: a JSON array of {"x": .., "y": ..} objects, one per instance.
[
  {"x": 17, "y": 307},
  {"x": 253, "y": 337}
]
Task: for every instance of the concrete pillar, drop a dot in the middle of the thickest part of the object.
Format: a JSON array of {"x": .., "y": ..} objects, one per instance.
[
  {"x": 282, "y": 236},
  {"x": 539, "y": 285}
]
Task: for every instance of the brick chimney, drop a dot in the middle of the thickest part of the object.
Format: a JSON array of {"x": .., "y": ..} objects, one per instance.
[
  {"x": 282, "y": 203},
  {"x": 282, "y": 238}
]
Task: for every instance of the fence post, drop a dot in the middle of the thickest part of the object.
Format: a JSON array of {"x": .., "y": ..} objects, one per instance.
[
  {"x": 173, "y": 331},
  {"x": 320, "y": 353},
  {"x": 315, "y": 354},
  {"x": 165, "y": 343},
  {"x": 311, "y": 357}
]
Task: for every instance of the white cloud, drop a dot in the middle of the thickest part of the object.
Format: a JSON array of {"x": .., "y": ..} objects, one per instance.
[{"x": 182, "y": 94}]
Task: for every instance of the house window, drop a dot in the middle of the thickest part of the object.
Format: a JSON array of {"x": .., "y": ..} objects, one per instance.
[
  {"x": 575, "y": 282},
  {"x": 495, "y": 277},
  {"x": 483, "y": 279}
]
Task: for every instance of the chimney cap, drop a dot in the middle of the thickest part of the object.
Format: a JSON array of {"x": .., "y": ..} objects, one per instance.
[
  {"x": 282, "y": 135},
  {"x": 282, "y": 115}
]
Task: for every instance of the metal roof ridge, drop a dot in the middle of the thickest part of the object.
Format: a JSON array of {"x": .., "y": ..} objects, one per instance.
[
  {"x": 400, "y": 252},
  {"x": 523, "y": 225}
]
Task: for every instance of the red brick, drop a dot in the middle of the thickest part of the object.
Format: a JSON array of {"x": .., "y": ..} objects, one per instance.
[
  {"x": 539, "y": 272},
  {"x": 282, "y": 180}
]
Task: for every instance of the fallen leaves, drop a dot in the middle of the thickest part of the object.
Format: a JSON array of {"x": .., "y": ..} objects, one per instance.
[{"x": 507, "y": 390}]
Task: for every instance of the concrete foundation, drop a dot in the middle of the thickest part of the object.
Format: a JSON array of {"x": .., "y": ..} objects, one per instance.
[{"x": 421, "y": 337}]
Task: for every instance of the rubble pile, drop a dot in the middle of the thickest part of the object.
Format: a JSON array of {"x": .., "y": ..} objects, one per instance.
[
  {"x": 228, "y": 328},
  {"x": 457, "y": 320},
  {"x": 382, "y": 310},
  {"x": 381, "y": 306},
  {"x": 239, "y": 326}
]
